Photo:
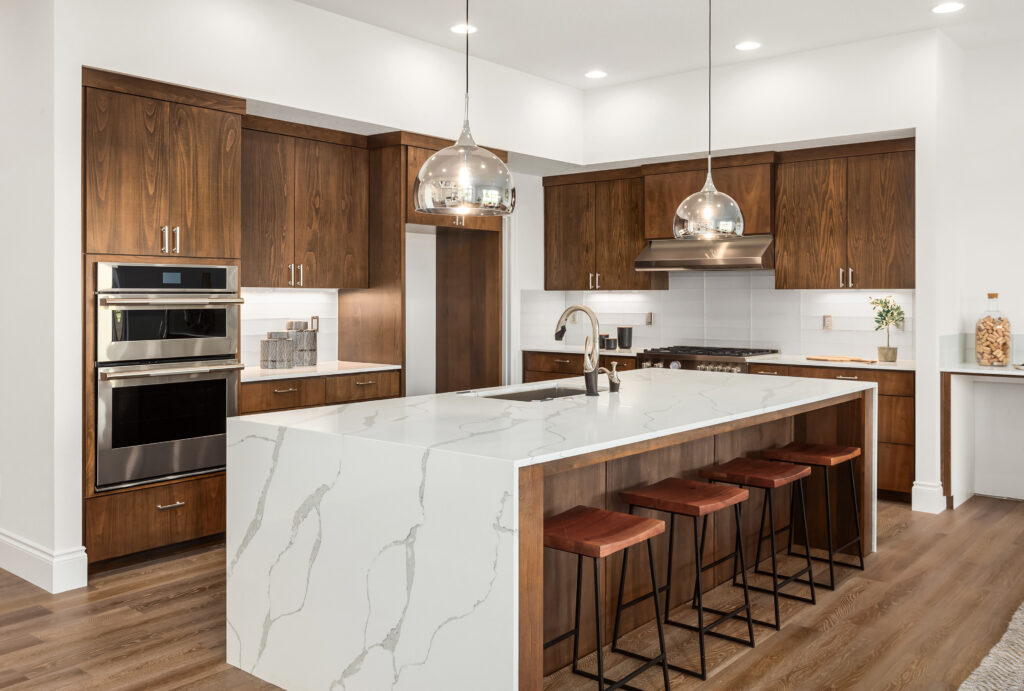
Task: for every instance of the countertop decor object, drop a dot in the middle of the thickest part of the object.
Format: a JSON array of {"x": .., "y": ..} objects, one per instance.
[
  {"x": 888, "y": 314},
  {"x": 464, "y": 179},
  {"x": 305, "y": 340},
  {"x": 708, "y": 214},
  {"x": 625, "y": 337},
  {"x": 992, "y": 336},
  {"x": 277, "y": 351},
  {"x": 840, "y": 358}
]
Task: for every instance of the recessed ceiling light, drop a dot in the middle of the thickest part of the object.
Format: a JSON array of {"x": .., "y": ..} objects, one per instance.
[
  {"x": 596, "y": 74},
  {"x": 463, "y": 29},
  {"x": 748, "y": 45},
  {"x": 947, "y": 7}
]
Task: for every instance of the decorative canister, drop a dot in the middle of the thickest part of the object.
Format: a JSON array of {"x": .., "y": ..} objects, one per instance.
[
  {"x": 305, "y": 341},
  {"x": 992, "y": 335},
  {"x": 277, "y": 351}
]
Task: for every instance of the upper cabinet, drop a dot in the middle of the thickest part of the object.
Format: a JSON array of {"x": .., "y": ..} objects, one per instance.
[
  {"x": 162, "y": 178},
  {"x": 416, "y": 156},
  {"x": 304, "y": 209},
  {"x": 747, "y": 179},
  {"x": 593, "y": 230},
  {"x": 844, "y": 217}
]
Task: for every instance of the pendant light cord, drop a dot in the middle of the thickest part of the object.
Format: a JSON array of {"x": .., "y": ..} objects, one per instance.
[
  {"x": 467, "y": 47},
  {"x": 709, "y": 85}
]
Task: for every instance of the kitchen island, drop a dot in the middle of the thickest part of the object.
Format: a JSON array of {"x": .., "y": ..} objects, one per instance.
[{"x": 398, "y": 543}]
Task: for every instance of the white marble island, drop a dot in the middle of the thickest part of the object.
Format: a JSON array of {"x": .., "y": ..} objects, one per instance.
[{"x": 396, "y": 543}]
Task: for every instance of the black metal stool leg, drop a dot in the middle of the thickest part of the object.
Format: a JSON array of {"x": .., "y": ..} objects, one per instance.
[
  {"x": 576, "y": 628},
  {"x": 703, "y": 538},
  {"x": 657, "y": 614},
  {"x": 792, "y": 515},
  {"x": 671, "y": 553},
  {"x": 775, "y": 566},
  {"x": 618, "y": 602},
  {"x": 856, "y": 514},
  {"x": 828, "y": 527},
  {"x": 700, "y": 600},
  {"x": 597, "y": 630}
]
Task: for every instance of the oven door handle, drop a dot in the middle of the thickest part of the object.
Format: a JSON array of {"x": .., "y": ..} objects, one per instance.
[
  {"x": 105, "y": 301},
  {"x": 106, "y": 376}
]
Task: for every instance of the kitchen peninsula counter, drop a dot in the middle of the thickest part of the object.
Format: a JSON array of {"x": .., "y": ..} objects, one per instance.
[{"x": 397, "y": 543}]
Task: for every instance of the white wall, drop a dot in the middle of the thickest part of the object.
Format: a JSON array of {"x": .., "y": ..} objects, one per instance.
[
  {"x": 420, "y": 310},
  {"x": 269, "y": 309},
  {"x": 524, "y": 257}
]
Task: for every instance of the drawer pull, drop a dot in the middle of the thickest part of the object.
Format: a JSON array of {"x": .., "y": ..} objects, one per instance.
[
  {"x": 292, "y": 390},
  {"x": 365, "y": 383},
  {"x": 773, "y": 373},
  {"x": 562, "y": 362},
  {"x": 165, "y": 507},
  {"x": 840, "y": 376}
]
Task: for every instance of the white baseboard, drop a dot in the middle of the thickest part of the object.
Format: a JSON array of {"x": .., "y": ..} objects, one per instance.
[
  {"x": 927, "y": 497},
  {"x": 52, "y": 571}
]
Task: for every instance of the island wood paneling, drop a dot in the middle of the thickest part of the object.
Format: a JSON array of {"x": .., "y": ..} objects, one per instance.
[
  {"x": 880, "y": 221},
  {"x": 268, "y": 211}
]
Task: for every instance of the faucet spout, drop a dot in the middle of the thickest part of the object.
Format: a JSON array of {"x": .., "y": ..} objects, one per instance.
[{"x": 590, "y": 351}]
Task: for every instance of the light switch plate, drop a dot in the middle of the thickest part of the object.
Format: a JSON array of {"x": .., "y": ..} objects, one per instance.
[
  {"x": 826, "y": 322},
  {"x": 649, "y": 321}
]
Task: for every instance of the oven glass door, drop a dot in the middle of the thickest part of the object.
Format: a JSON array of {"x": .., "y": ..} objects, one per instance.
[
  {"x": 158, "y": 423},
  {"x": 140, "y": 328}
]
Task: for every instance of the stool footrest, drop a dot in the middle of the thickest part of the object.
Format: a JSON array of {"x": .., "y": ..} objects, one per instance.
[
  {"x": 782, "y": 581},
  {"x": 724, "y": 615}
]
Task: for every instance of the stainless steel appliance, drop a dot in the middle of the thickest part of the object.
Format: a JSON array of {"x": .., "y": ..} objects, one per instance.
[
  {"x": 160, "y": 311},
  {"x": 167, "y": 371},
  {"x": 719, "y": 254},
  {"x": 705, "y": 359}
]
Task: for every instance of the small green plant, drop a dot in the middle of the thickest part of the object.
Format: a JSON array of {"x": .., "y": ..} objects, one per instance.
[{"x": 887, "y": 315}]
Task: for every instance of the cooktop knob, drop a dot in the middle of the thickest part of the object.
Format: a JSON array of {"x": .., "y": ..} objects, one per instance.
[{"x": 675, "y": 364}]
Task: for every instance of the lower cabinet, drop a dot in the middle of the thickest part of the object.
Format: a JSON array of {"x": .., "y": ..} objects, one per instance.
[
  {"x": 895, "y": 418},
  {"x": 133, "y": 521},
  {"x": 541, "y": 366},
  {"x": 361, "y": 387},
  {"x": 306, "y": 392}
]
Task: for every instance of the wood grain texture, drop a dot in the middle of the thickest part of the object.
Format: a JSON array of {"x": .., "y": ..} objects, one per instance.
[
  {"x": 755, "y": 472},
  {"x": 810, "y": 224},
  {"x": 567, "y": 363},
  {"x": 880, "y": 223},
  {"x": 468, "y": 310},
  {"x": 686, "y": 497},
  {"x": 890, "y": 383},
  {"x": 420, "y": 141},
  {"x": 597, "y": 533},
  {"x": 812, "y": 453},
  {"x": 753, "y": 189},
  {"x": 268, "y": 208},
  {"x": 362, "y": 387},
  {"x": 294, "y": 129},
  {"x": 770, "y": 370},
  {"x": 164, "y": 91},
  {"x": 896, "y": 419},
  {"x": 125, "y": 169},
  {"x": 416, "y": 157},
  {"x": 206, "y": 181},
  {"x": 592, "y": 176},
  {"x": 895, "y": 467},
  {"x": 844, "y": 150},
  {"x": 662, "y": 195},
  {"x": 569, "y": 238},
  {"x": 280, "y": 394},
  {"x": 945, "y": 436},
  {"x": 531, "y": 578},
  {"x": 758, "y": 158},
  {"x": 619, "y": 237}
]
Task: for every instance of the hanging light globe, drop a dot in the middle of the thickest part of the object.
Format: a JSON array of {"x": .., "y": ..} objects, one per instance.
[{"x": 708, "y": 215}]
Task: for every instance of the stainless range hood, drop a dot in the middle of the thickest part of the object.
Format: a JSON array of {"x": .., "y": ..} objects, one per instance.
[{"x": 746, "y": 252}]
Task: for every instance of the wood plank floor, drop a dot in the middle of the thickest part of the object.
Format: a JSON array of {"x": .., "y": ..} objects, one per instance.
[{"x": 931, "y": 603}]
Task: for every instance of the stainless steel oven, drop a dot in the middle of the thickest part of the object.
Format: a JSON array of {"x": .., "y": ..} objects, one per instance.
[
  {"x": 164, "y": 311},
  {"x": 155, "y": 421}
]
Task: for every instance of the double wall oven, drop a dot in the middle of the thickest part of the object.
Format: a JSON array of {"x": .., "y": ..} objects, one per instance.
[{"x": 167, "y": 370}]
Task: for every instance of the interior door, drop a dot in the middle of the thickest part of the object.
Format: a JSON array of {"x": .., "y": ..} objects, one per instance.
[
  {"x": 880, "y": 224},
  {"x": 810, "y": 224},
  {"x": 268, "y": 208},
  {"x": 126, "y": 167},
  {"x": 569, "y": 244},
  {"x": 205, "y": 182},
  {"x": 619, "y": 234}
]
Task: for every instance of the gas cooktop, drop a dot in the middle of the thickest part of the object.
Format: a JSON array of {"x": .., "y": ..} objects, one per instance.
[
  {"x": 703, "y": 358},
  {"x": 704, "y": 351}
]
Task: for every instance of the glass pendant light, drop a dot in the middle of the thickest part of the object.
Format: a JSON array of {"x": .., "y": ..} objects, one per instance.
[
  {"x": 464, "y": 178},
  {"x": 708, "y": 214}
]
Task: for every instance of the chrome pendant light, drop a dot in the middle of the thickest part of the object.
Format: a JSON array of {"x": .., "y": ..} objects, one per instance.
[
  {"x": 464, "y": 178},
  {"x": 708, "y": 214}
]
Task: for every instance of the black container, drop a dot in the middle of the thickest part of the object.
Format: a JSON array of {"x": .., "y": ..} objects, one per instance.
[
  {"x": 611, "y": 344},
  {"x": 625, "y": 337},
  {"x": 601, "y": 339}
]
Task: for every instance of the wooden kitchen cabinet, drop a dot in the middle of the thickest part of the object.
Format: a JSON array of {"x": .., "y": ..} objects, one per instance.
[
  {"x": 880, "y": 220},
  {"x": 415, "y": 158},
  {"x": 769, "y": 370},
  {"x": 348, "y": 388},
  {"x": 305, "y": 204},
  {"x": 542, "y": 366},
  {"x": 569, "y": 252},
  {"x": 161, "y": 178},
  {"x": 280, "y": 394}
]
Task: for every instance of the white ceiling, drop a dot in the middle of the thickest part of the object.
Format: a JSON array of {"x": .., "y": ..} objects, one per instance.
[{"x": 639, "y": 39}]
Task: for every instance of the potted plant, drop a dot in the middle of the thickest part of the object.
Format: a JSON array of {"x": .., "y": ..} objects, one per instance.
[{"x": 887, "y": 315}]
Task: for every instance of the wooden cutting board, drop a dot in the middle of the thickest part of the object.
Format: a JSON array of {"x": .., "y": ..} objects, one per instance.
[{"x": 839, "y": 358}]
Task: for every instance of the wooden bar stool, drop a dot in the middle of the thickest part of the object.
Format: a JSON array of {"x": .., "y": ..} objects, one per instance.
[
  {"x": 597, "y": 533},
  {"x": 680, "y": 497},
  {"x": 766, "y": 475},
  {"x": 825, "y": 456}
]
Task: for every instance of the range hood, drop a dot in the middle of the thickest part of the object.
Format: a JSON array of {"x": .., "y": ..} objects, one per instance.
[{"x": 746, "y": 252}]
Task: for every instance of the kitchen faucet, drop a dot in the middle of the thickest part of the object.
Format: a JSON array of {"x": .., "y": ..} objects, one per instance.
[{"x": 590, "y": 352}]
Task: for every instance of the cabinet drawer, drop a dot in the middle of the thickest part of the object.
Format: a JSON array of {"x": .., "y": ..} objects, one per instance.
[
  {"x": 773, "y": 370},
  {"x": 280, "y": 394},
  {"x": 895, "y": 467},
  {"x": 553, "y": 362},
  {"x": 889, "y": 383},
  {"x": 626, "y": 362},
  {"x": 128, "y": 522},
  {"x": 529, "y": 376},
  {"x": 362, "y": 387},
  {"x": 896, "y": 419}
]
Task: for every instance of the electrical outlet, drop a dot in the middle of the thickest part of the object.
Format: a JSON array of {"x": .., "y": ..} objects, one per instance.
[
  {"x": 900, "y": 327},
  {"x": 649, "y": 321},
  {"x": 826, "y": 322}
]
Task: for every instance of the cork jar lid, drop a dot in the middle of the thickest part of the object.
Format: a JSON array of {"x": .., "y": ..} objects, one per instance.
[{"x": 993, "y": 296}]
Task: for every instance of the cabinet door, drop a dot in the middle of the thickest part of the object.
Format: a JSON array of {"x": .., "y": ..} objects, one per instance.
[
  {"x": 206, "y": 182},
  {"x": 415, "y": 158},
  {"x": 268, "y": 208},
  {"x": 810, "y": 224},
  {"x": 619, "y": 235},
  {"x": 751, "y": 187},
  {"x": 569, "y": 255},
  {"x": 331, "y": 216},
  {"x": 662, "y": 195},
  {"x": 126, "y": 165},
  {"x": 880, "y": 222}
]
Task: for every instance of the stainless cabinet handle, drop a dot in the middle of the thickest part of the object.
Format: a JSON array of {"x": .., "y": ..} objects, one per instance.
[
  {"x": 164, "y": 507},
  {"x": 177, "y": 239},
  {"x": 841, "y": 284},
  {"x": 165, "y": 241},
  {"x": 598, "y": 284},
  {"x": 300, "y": 275},
  {"x": 285, "y": 390},
  {"x": 291, "y": 274},
  {"x": 590, "y": 281},
  {"x": 562, "y": 362},
  {"x": 106, "y": 302},
  {"x": 839, "y": 376},
  {"x": 170, "y": 372},
  {"x": 365, "y": 383},
  {"x": 850, "y": 274}
]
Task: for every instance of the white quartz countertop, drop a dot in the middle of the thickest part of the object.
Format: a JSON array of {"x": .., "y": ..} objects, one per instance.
[
  {"x": 578, "y": 350},
  {"x": 975, "y": 368},
  {"x": 651, "y": 404},
  {"x": 321, "y": 369},
  {"x": 787, "y": 359}
]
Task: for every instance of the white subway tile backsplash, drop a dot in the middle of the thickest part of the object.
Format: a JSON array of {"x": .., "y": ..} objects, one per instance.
[{"x": 267, "y": 309}]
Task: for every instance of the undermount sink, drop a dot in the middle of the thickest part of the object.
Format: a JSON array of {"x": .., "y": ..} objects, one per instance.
[{"x": 548, "y": 393}]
